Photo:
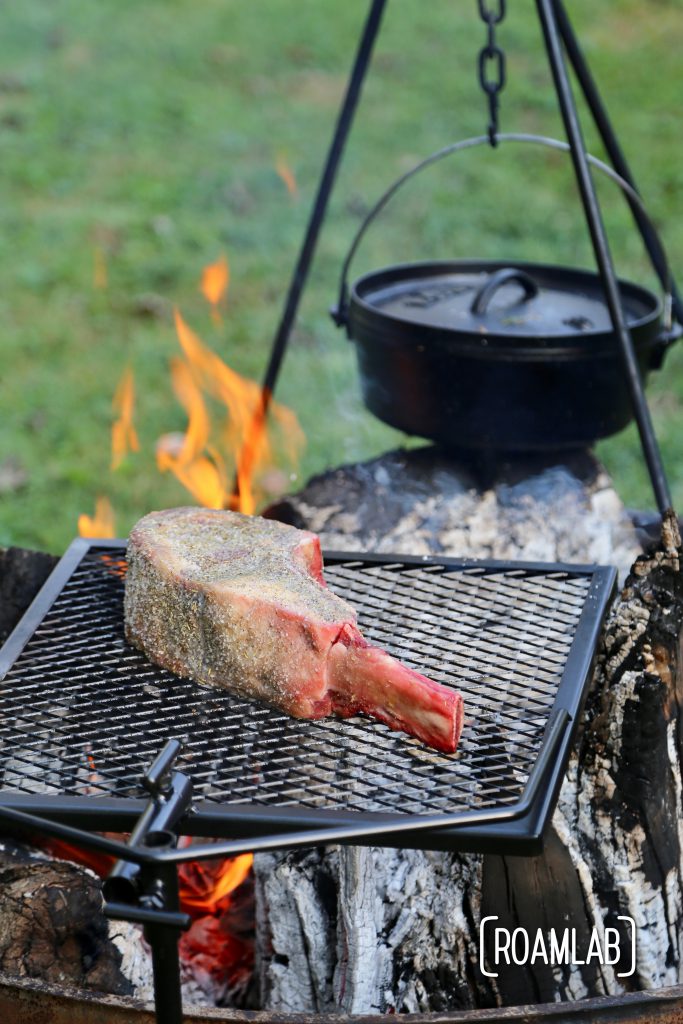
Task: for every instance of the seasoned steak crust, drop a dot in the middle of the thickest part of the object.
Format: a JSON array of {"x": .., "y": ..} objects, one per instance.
[{"x": 240, "y": 602}]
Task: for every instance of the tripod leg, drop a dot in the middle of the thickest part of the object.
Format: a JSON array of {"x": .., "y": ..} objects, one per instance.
[
  {"x": 163, "y": 942},
  {"x": 611, "y": 143},
  {"x": 570, "y": 117},
  {"x": 303, "y": 263},
  {"x": 159, "y": 883}
]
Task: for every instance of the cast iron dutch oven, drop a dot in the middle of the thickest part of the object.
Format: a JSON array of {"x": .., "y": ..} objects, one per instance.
[
  {"x": 489, "y": 355},
  {"x": 496, "y": 355}
]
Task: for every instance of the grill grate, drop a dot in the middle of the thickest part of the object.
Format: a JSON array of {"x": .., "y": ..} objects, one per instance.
[{"x": 83, "y": 713}]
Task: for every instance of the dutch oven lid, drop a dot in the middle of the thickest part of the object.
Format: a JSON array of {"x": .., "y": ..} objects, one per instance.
[{"x": 500, "y": 299}]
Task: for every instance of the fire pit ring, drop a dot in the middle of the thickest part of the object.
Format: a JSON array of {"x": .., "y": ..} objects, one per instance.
[{"x": 28, "y": 1001}]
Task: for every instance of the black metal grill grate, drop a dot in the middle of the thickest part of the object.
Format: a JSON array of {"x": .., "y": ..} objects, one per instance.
[{"x": 83, "y": 714}]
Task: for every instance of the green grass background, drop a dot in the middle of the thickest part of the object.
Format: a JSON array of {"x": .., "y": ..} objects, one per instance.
[{"x": 150, "y": 129}]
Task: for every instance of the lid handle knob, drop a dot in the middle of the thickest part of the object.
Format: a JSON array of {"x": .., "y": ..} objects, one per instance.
[{"x": 481, "y": 300}]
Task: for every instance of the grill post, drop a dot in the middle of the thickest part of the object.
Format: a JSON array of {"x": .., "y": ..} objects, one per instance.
[
  {"x": 150, "y": 891},
  {"x": 602, "y": 122},
  {"x": 316, "y": 218},
  {"x": 159, "y": 884},
  {"x": 170, "y": 799}
]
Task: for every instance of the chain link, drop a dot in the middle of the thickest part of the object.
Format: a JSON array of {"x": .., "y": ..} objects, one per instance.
[{"x": 491, "y": 64}]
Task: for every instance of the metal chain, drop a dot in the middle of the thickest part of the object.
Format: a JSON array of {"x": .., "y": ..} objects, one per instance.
[{"x": 492, "y": 64}]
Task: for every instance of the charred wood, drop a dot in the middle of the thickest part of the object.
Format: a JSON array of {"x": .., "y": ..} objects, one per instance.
[
  {"x": 52, "y": 926},
  {"x": 616, "y": 845}
]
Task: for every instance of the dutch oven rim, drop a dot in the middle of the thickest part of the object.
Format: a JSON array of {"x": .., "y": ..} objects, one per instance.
[{"x": 385, "y": 328}]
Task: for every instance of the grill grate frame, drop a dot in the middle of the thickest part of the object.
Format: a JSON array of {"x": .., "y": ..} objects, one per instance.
[{"x": 82, "y": 714}]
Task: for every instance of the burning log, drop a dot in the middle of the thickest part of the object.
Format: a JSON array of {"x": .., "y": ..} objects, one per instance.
[
  {"x": 52, "y": 926},
  {"x": 403, "y": 926}
]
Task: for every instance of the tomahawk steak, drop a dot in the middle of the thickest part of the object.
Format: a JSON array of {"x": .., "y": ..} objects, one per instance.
[{"x": 240, "y": 602}]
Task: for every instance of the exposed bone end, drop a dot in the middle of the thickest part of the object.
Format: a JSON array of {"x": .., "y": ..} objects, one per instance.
[{"x": 365, "y": 678}]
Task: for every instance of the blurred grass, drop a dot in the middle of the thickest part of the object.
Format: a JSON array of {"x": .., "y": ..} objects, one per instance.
[{"x": 149, "y": 131}]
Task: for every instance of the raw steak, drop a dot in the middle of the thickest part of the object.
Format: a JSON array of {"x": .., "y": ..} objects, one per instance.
[{"x": 240, "y": 602}]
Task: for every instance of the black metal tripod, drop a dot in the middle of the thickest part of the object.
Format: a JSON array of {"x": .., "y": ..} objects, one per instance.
[{"x": 561, "y": 45}]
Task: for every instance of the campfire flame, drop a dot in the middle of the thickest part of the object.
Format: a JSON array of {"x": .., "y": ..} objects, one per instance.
[
  {"x": 102, "y": 524},
  {"x": 205, "y": 885},
  {"x": 196, "y": 458},
  {"x": 123, "y": 435},
  {"x": 228, "y": 465},
  {"x": 214, "y": 285},
  {"x": 195, "y": 463},
  {"x": 286, "y": 174}
]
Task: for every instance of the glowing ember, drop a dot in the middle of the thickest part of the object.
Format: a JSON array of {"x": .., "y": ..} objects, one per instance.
[
  {"x": 215, "y": 951},
  {"x": 197, "y": 459},
  {"x": 285, "y": 173},
  {"x": 123, "y": 435},
  {"x": 219, "y": 896},
  {"x": 214, "y": 284},
  {"x": 102, "y": 524}
]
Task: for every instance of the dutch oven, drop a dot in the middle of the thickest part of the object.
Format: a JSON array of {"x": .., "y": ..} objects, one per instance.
[
  {"x": 488, "y": 355},
  {"x": 496, "y": 355}
]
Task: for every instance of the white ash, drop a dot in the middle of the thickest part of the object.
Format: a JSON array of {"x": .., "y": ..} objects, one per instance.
[
  {"x": 198, "y": 988},
  {"x": 298, "y": 931},
  {"x": 136, "y": 960},
  {"x": 523, "y": 520}
]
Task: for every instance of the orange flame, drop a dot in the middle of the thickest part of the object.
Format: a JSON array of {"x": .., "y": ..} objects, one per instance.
[
  {"x": 100, "y": 863},
  {"x": 196, "y": 457},
  {"x": 205, "y": 885},
  {"x": 102, "y": 524},
  {"x": 204, "y": 476},
  {"x": 286, "y": 174},
  {"x": 214, "y": 285},
  {"x": 123, "y": 435}
]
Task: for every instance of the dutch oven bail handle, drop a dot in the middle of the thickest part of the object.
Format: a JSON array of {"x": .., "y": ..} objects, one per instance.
[{"x": 670, "y": 332}]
